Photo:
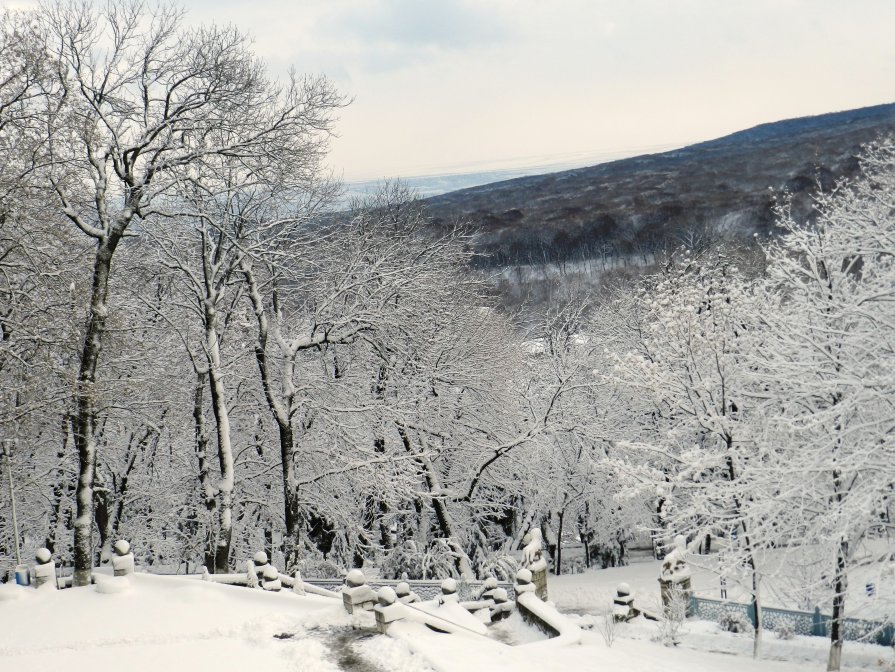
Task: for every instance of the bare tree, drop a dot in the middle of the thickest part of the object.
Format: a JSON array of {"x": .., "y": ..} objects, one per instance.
[{"x": 145, "y": 101}]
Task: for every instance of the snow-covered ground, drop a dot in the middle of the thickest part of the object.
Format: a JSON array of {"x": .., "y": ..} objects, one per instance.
[
  {"x": 781, "y": 575},
  {"x": 179, "y": 623},
  {"x": 591, "y": 593},
  {"x": 172, "y": 624}
]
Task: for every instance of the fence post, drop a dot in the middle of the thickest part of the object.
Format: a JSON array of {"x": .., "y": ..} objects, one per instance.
[
  {"x": 752, "y": 610},
  {"x": 818, "y": 625},
  {"x": 886, "y": 636},
  {"x": 694, "y": 606}
]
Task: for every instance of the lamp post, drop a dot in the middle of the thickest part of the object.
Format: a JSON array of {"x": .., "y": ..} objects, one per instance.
[{"x": 6, "y": 449}]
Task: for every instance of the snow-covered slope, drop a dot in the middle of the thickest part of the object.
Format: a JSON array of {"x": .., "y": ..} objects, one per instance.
[{"x": 173, "y": 624}]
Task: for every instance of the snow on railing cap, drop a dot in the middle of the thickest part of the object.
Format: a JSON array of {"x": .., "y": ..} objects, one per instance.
[
  {"x": 355, "y": 578},
  {"x": 523, "y": 576},
  {"x": 403, "y": 589},
  {"x": 449, "y": 586},
  {"x": 387, "y": 596},
  {"x": 43, "y": 555},
  {"x": 623, "y": 589},
  {"x": 122, "y": 547},
  {"x": 260, "y": 558},
  {"x": 500, "y": 595},
  {"x": 491, "y": 582}
]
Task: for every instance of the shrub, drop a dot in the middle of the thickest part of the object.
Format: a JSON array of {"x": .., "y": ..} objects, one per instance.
[
  {"x": 785, "y": 630},
  {"x": 734, "y": 622},
  {"x": 435, "y": 561},
  {"x": 318, "y": 568},
  {"x": 501, "y": 567}
]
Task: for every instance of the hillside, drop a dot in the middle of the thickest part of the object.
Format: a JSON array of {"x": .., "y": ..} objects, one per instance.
[{"x": 724, "y": 187}]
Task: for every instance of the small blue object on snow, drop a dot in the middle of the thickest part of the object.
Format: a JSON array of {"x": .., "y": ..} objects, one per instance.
[
  {"x": 871, "y": 589},
  {"x": 23, "y": 577}
]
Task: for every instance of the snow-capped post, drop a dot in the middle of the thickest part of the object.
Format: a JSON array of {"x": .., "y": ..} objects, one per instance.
[
  {"x": 255, "y": 569},
  {"x": 252, "y": 580},
  {"x": 448, "y": 592},
  {"x": 356, "y": 594},
  {"x": 388, "y": 610},
  {"x": 674, "y": 577},
  {"x": 503, "y": 606},
  {"x": 44, "y": 569},
  {"x": 271, "y": 579},
  {"x": 533, "y": 560},
  {"x": 261, "y": 562},
  {"x": 623, "y": 603},
  {"x": 405, "y": 595},
  {"x": 524, "y": 583},
  {"x": 123, "y": 560},
  {"x": 298, "y": 586}
]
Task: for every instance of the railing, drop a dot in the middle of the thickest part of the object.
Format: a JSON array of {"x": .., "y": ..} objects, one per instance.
[
  {"x": 800, "y": 622},
  {"x": 427, "y": 590}
]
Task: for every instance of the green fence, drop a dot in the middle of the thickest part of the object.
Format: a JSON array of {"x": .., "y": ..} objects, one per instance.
[{"x": 800, "y": 622}]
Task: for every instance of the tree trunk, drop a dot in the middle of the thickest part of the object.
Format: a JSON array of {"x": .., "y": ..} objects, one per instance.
[
  {"x": 840, "y": 586},
  {"x": 279, "y": 409},
  {"x": 207, "y": 488},
  {"x": 756, "y": 606},
  {"x": 290, "y": 494},
  {"x": 83, "y": 424},
  {"x": 225, "y": 449},
  {"x": 557, "y": 567},
  {"x": 442, "y": 514},
  {"x": 60, "y": 488}
]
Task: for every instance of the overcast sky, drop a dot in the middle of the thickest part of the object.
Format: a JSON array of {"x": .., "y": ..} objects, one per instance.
[{"x": 455, "y": 85}]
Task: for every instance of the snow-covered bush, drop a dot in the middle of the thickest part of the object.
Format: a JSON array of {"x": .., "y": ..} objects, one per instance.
[
  {"x": 319, "y": 568},
  {"x": 785, "y": 631},
  {"x": 887, "y": 664},
  {"x": 435, "y": 561},
  {"x": 501, "y": 567},
  {"x": 607, "y": 625},
  {"x": 574, "y": 566},
  {"x": 734, "y": 622},
  {"x": 675, "y": 614}
]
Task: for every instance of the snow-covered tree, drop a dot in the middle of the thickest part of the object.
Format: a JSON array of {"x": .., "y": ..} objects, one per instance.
[
  {"x": 146, "y": 101},
  {"x": 693, "y": 365},
  {"x": 829, "y": 308}
]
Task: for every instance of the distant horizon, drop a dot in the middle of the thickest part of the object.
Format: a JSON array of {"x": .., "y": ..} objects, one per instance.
[
  {"x": 460, "y": 86},
  {"x": 434, "y": 182}
]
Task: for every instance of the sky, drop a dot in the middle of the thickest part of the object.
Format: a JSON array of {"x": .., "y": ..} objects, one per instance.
[{"x": 451, "y": 86}]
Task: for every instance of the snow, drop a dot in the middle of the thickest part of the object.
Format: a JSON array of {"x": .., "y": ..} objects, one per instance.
[
  {"x": 181, "y": 623},
  {"x": 569, "y": 632},
  {"x": 779, "y": 576},
  {"x": 167, "y": 623}
]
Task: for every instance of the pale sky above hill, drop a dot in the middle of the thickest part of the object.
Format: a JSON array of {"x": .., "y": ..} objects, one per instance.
[{"x": 456, "y": 85}]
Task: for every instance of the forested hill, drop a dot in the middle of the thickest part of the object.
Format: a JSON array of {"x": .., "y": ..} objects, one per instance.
[{"x": 721, "y": 187}]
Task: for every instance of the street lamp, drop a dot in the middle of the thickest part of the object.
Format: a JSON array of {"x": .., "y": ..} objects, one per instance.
[{"x": 6, "y": 451}]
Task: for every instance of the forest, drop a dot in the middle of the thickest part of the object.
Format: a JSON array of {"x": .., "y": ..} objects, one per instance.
[{"x": 202, "y": 351}]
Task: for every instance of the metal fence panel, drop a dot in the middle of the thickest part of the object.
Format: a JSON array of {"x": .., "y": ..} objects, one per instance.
[{"x": 801, "y": 622}]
